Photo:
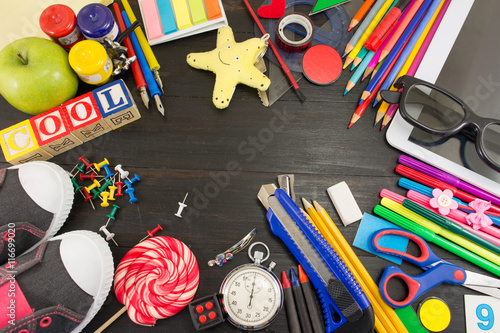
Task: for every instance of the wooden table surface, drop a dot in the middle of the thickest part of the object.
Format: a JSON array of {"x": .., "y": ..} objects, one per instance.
[{"x": 222, "y": 157}]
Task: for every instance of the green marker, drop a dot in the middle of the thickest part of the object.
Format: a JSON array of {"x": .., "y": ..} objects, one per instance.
[
  {"x": 449, "y": 225},
  {"x": 431, "y": 237}
]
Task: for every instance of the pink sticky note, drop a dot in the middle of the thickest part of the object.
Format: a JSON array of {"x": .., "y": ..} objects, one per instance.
[{"x": 152, "y": 19}]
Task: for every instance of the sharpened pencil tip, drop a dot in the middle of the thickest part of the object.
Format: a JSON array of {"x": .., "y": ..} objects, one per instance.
[
  {"x": 350, "y": 124},
  {"x": 345, "y": 91}
]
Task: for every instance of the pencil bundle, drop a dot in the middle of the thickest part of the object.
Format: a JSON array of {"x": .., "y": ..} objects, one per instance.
[{"x": 390, "y": 42}]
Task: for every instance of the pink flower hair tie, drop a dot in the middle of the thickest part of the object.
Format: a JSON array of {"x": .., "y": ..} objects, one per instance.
[
  {"x": 479, "y": 219},
  {"x": 443, "y": 201}
]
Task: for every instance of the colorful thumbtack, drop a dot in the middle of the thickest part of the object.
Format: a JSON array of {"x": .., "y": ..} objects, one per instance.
[
  {"x": 98, "y": 166},
  {"x": 129, "y": 182},
  {"x": 104, "y": 196},
  {"x": 91, "y": 177},
  {"x": 123, "y": 174},
  {"x": 76, "y": 186},
  {"x": 88, "y": 165},
  {"x": 119, "y": 188},
  {"x": 112, "y": 214},
  {"x": 112, "y": 190},
  {"x": 80, "y": 168},
  {"x": 130, "y": 192},
  {"x": 94, "y": 185},
  {"x": 109, "y": 235},
  {"x": 182, "y": 205},
  {"x": 152, "y": 232},
  {"x": 109, "y": 174}
]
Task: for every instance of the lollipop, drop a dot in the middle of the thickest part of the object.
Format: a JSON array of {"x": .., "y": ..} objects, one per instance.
[{"x": 156, "y": 279}]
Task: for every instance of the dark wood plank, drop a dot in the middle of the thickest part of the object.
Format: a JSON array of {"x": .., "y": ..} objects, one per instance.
[{"x": 222, "y": 157}]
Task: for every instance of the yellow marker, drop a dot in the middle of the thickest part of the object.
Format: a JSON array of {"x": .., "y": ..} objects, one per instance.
[
  {"x": 463, "y": 242},
  {"x": 409, "y": 61},
  {"x": 146, "y": 48},
  {"x": 387, "y": 317},
  {"x": 90, "y": 61},
  {"x": 364, "y": 37}
]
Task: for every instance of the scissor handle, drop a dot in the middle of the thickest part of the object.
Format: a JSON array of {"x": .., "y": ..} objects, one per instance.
[
  {"x": 419, "y": 285},
  {"x": 426, "y": 257},
  {"x": 437, "y": 270}
]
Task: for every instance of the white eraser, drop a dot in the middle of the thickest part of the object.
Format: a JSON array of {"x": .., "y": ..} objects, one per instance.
[{"x": 344, "y": 203}]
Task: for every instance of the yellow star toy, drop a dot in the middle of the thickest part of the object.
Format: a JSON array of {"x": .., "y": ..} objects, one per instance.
[{"x": 232, "y": 63}]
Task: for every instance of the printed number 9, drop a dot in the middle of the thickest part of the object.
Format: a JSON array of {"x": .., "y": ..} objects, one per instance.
[{"x": 489, "y": 318}]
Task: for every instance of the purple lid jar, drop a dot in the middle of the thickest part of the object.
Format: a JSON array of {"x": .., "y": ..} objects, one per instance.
[{"x": 96, "y": 22}]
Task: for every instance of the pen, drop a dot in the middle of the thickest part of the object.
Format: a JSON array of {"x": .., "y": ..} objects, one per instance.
[
  {"x": 422, "y": 221},
  {"x": 447, "y": 178},
  {"x": 449, "y": 225},
  {"x": 431, "y": 237},
  {"x": 291, "y": 310},
  {"x": 153, "y": 64},
  {"x": 385, "y": 317},
  {"x": 300, "y": 303},
  {"x": 310, "y": 297},
  {"x": 152, "y": 85},
  {"x": 136, "y": 68},
  {"x": 434, "y": 183}
]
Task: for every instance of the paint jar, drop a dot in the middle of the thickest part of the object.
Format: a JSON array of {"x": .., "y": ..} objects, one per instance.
[
  {"x": 90, "y": 61},
  {"x": 59, "y": 23},
  {"x": 96, "y": 22}
]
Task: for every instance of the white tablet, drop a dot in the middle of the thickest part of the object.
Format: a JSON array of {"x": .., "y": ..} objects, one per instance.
[{"x": 463, "y": 58}]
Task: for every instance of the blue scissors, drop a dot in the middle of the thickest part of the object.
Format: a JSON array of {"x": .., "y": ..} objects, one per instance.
[{"x": 437, "y": 271}]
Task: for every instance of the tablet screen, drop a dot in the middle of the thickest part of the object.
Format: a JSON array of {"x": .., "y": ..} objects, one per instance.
[{"x": 471, "y": 72}]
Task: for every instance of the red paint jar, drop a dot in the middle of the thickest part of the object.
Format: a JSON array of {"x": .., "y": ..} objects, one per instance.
[{"x": 59, "y": 23}]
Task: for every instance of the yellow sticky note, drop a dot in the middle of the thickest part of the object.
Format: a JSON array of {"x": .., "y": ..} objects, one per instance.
[{"x": 181, "y": 12}]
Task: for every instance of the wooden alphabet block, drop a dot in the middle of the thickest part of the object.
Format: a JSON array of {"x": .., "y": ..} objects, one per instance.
[
  {"x": 116, "y": 104},
  {"x": 19, "y": 144},
  {"x": 52, "y": 131},
  {"x": 84, "y": 118}
]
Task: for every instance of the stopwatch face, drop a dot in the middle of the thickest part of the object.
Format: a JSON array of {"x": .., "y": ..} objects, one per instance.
[{"x": 252, "y": 297}]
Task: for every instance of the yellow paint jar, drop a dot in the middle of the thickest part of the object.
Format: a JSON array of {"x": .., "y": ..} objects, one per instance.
[{"x": 90, "y": 61}]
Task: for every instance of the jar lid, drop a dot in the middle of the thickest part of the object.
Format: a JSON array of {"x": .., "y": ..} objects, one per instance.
[
  {"x": 95, "y": 20},
  {"x": 87, "y": 57},
  {"x": 58, "y": 21}
]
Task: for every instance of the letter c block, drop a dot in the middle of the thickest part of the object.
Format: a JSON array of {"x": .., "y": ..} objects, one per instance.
[{"x": 19, "y": 144}]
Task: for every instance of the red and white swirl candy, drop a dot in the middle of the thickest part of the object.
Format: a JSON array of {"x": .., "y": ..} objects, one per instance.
[{"x": 156, "y": 279}]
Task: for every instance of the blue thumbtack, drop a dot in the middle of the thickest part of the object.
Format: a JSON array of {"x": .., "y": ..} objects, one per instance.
[
  {"x": 131, "y": 181},
  {"x": 130, "y": 192},
  {"x": 109, "y": 174}
]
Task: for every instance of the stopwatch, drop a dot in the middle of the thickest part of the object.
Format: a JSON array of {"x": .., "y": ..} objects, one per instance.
[{"x": 251, "y": 294}]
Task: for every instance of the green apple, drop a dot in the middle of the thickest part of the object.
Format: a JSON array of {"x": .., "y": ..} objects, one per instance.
[{"x": 35, "y": 75}]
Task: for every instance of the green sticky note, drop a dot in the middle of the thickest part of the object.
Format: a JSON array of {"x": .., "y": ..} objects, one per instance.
[
  {"x": 410, "y": 319},
  {"x": 322, "y": 5},
  {"x": 197, "y": 9}
]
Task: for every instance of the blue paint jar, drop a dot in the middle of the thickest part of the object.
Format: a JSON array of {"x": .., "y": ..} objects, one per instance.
[{"x": 96, "y": 22}]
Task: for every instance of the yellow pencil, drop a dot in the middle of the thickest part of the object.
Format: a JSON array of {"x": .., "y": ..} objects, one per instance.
[
  {"x": 364, "y": 37},
  {"x": 319, "y": 219}
]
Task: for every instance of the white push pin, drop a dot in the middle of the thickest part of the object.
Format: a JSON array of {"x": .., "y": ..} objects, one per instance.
[
  {"x": 109, "y": 235},
  {"x": 181, "y": 206},
  {"x": 123, "y": 174}
]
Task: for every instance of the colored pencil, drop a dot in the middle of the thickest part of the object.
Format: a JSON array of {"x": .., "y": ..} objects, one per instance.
[
  {"x": 425, "y": 24},
  {"x": 375, "y": 39},
  {"x": 358, "y": 72},
  {"x": 418, "y": 59},
  {"x": 366, "y": 33},
  {"x": 389, "y": 320},
  {"x": 283, "y": 65},
  {"x": 432, "y": 237},
  {"x": 397, "y": 49},
  {"x": 291, "y": 309},
  {"x": 422, "y": 221},
  {"x": 366, "y": 22},
  {"x": 375, "y": 60},
  {"x": 310, "y": 297},
  {"x": 359, "y": 58},
  {"x": 360, "y": 14},
  {"x": 413, "y": 10},
  {"x": 300, "y": 303}
]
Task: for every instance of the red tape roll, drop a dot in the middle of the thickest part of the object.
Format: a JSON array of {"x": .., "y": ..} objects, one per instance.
[{"x": 291, "y": 45}]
